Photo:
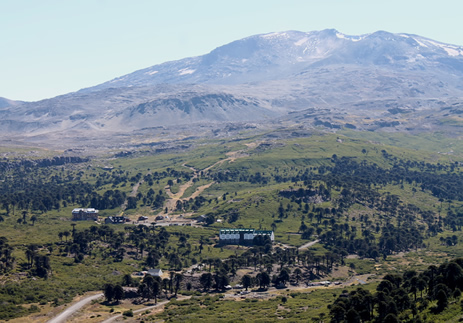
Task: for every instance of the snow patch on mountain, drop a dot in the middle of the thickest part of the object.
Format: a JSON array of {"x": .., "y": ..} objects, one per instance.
[
  {"x": 186, "y": 71},
  {"x": 301, "y": 41},
  {"x": 452, "y": 52},
  {"x": 118, "y": 79},
  {"x": 275, "y": 35},
  {"x": 421, "y": 43}
]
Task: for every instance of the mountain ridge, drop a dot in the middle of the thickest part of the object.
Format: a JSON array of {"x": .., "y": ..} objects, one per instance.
[
  {"x": 262, "y": 78},
  {"x": 239, "y": 53}
]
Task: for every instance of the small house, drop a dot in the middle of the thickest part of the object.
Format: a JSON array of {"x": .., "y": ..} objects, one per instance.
[{"x": 155, "y": 272}]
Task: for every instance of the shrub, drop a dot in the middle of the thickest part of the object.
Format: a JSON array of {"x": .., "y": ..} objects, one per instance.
[{"x": 128, "y": 313}]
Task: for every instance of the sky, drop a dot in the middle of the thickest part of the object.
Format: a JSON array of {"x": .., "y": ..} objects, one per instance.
[{"x": 53, "y": 47}]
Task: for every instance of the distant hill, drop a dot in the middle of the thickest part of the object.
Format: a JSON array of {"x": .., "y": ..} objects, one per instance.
[
  {"x": 399, "y": 82},
  {"x": 6, "y": 102}
]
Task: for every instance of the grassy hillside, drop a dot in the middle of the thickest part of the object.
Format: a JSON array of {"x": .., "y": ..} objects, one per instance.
[{"x": 387, "y": 203}]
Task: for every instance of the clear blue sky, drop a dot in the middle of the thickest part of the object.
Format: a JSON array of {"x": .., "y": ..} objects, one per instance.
[{"x": 52, "y": 47}]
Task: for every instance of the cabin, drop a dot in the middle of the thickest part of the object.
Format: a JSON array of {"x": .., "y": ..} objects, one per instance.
[
  {"x": 155, "y": 272},
  {"x": 81, "y": 214},
  {"x": 243, "y": 236}
]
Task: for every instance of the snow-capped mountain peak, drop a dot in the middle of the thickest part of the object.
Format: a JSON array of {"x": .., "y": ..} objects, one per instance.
[{"x": 273, "y": 55}]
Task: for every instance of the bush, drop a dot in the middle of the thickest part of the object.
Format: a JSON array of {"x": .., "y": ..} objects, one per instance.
[
  {"x": 128, "y": 313},
  {"x": 33, "y": 309}
]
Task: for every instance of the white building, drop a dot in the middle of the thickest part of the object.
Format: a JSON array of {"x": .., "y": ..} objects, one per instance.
[
  {"x": 80, "y": 214},
  {"x": 242, "y": 236},
  {"x": 155, "y": 272}
]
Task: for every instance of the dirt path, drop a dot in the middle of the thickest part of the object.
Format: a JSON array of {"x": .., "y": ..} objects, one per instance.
[
  {"x": 308, "y": 244},
  {"x": 134, "y": 192},
  {"x": 171, "y": 203},
  {"x": 74, "y": 308}
]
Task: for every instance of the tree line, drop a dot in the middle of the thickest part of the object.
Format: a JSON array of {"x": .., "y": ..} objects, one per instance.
[{"x": 402, "y": 298}]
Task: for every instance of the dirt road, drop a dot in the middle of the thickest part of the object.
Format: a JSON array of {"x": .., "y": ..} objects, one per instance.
[
  {"x": 74, "y": 308},
  {"x": 308, "y": 244}
]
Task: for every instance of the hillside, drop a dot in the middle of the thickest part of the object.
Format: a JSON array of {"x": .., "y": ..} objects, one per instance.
[{"x": 370, "y": 209}]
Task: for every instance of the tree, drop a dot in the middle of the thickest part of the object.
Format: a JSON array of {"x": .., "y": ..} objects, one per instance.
[
  {"x": 33, "y": 219},
  {"x": 246, "y": 281},
  {"x": 421, "y": 285},
  {"x": 150, "y": 287},
  {"x": 143, "y": 290},
  {"x": 303, "y": 227},
  {"x": 283, "y": 276},
  {"x": 353, "y": 316},
  {"x": 156, "y": 289},
  {"x": 263, "y": 279},
  {"x": 337, "y": 313},
  {"x": 127, "y": 280},
  {"x": 109, "y": 292},
  {"x": 66, "y": 235},
  {"x": 442, "y": 300},
  {"x": 42, "y": 266},
  {"x": 177, "y": 280},
  {"x": 30, "y": 254},
  {"x": 171, "y": 281},
  {"x": 206, "y": 281},
  {"x": 297, "y": 274},
  {"x": 165, "y": 285},
  {"x": 221, "y": 281},
  {"x": 24, "y": 213},
  {"x": 118, "y": 293},
  {"x": 131, "y": 202},
  {"x": 456, "y": 293}
]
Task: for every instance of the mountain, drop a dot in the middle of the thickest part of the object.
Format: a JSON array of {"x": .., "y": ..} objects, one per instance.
[
  {"x": 4, "y": 102},
  {"x": 280, "y": 55},
  {"x": 373, "y": 81}
]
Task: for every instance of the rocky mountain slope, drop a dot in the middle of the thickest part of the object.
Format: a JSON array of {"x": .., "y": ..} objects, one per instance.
[{"x": 398, "y": 81}]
